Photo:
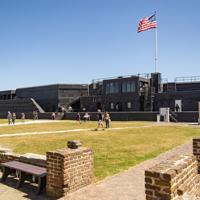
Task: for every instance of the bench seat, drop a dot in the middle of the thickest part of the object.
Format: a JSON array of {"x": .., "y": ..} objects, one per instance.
[{"x": 24, "y": 171}]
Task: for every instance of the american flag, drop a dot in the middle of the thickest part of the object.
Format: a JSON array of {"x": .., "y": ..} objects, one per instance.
[{"x": 147, "y": 23}]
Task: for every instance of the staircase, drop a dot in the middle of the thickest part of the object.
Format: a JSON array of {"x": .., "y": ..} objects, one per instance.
[
  {"x": 39, "y": 108},
  {"x": 173, "y": 116}
]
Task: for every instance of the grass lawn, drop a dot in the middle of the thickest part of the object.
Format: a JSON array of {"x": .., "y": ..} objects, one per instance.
[
  {"x": 5, "y": 121},
  {"x": 61, "y": 125},
  {"x": 114, "y": 150}
]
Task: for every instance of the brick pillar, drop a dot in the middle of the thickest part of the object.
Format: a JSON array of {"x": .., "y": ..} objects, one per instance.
[
  {"x": 196, "y": 151},
  {"x": 69, "y": 169}
]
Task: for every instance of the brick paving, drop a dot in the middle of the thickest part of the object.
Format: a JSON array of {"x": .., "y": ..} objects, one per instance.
[{"x": 128, "y": 185}]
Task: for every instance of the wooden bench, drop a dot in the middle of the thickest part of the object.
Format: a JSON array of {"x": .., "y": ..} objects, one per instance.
[{"x": 24, "y": 171}]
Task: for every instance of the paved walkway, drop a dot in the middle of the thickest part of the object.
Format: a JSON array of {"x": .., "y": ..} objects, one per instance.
[
  {"x": 8, "y": 191},
  {"x": 128, "y": 185}
]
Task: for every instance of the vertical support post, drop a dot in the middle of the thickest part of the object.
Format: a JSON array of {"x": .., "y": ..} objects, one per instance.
[
  {"x": 156, "y": 48},
  {"x": 167, "y": 115}
]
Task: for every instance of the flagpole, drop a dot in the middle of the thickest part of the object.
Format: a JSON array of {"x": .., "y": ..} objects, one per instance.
[{"x": 156, "y": 49}]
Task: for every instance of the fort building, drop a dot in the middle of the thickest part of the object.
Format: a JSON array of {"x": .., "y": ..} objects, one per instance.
[
  {"x": 48, "y": 98},
  {"x": 136, "y": 93}
]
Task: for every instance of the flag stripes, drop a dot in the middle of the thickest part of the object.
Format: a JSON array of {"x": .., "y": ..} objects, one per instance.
[{"x": 147, "y": 23}]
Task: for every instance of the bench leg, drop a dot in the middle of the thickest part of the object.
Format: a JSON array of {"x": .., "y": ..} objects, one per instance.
[
  {"x": 41, "y": 184},
  {"x": 22, "y": 177},
  {"x": 6, "y": 172}
]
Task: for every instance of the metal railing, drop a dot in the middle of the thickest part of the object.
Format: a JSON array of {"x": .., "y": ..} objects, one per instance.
[
  {"x": 187, "y": 79},
  {"x": 143, "y": 75}
]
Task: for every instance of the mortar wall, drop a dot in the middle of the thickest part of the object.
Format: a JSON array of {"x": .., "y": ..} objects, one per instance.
[{"x": 68, "y": 170}]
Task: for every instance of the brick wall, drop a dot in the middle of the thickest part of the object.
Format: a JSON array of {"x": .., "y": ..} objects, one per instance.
[
  {"x": 68, "y": 170},
  {"x": 172, "y": 178},
  {"x": 6, "y": 157},
  {"x": 196, "y": 151}
]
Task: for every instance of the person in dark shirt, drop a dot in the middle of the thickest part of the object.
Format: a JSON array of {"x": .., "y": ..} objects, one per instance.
[
  {"x": 177, "y": 108},
  {"x": 78, "y": 117},
  {"x": 100, "y": 120},
  {"x": 13, "y": 118}
]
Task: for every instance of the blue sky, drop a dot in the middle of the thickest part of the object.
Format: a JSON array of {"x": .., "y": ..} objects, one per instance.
[{"x": 75, "y": 41}]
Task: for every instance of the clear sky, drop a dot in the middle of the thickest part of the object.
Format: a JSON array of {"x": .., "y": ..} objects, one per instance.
[{"x": 75, "y": 41}]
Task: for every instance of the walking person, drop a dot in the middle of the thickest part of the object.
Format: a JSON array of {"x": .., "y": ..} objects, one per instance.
[
  {"x": 53, "y": 116},
  {"x": 23, "y": 116},
  {"x": 36, "y": 115},
  {"x": 107, "y": 119},
  {"x": 86, "y": 117},
  {"x": 78, "y": 117},
  {"x": 100, "y": 119},
  {"x": 9, "y": 117},
  {"x": 13, "y": 118}
]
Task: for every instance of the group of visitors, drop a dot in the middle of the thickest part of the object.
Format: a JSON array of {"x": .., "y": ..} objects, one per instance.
[
  {"x": 100, "y": 116},
  {"x": 103, "y": 117},
  {"x": 86, "y": 117},
  {"x": 12, "y": 117}
]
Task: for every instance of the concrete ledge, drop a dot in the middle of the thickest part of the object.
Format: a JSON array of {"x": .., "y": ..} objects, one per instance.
[
  {"x": 33, "y": 159},
  {"x": 7, "y": 155}
]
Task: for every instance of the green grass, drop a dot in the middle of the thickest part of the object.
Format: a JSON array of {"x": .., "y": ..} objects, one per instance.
[
  {"x": 5, "y": 121},
  {"x": 61, "y": 125},
  {"x": 114, "y": 150}
]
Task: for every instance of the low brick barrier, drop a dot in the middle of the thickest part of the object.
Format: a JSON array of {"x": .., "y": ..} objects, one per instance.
[
  {"x": 176, "y": 177},
  {"x": 68, "y": 170},
  {"x": 7, "y": 155},
  {"x": 33, "y": 159},
  {"x": 172, "y": 178},
  {"x": 196, "y": 151}
]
